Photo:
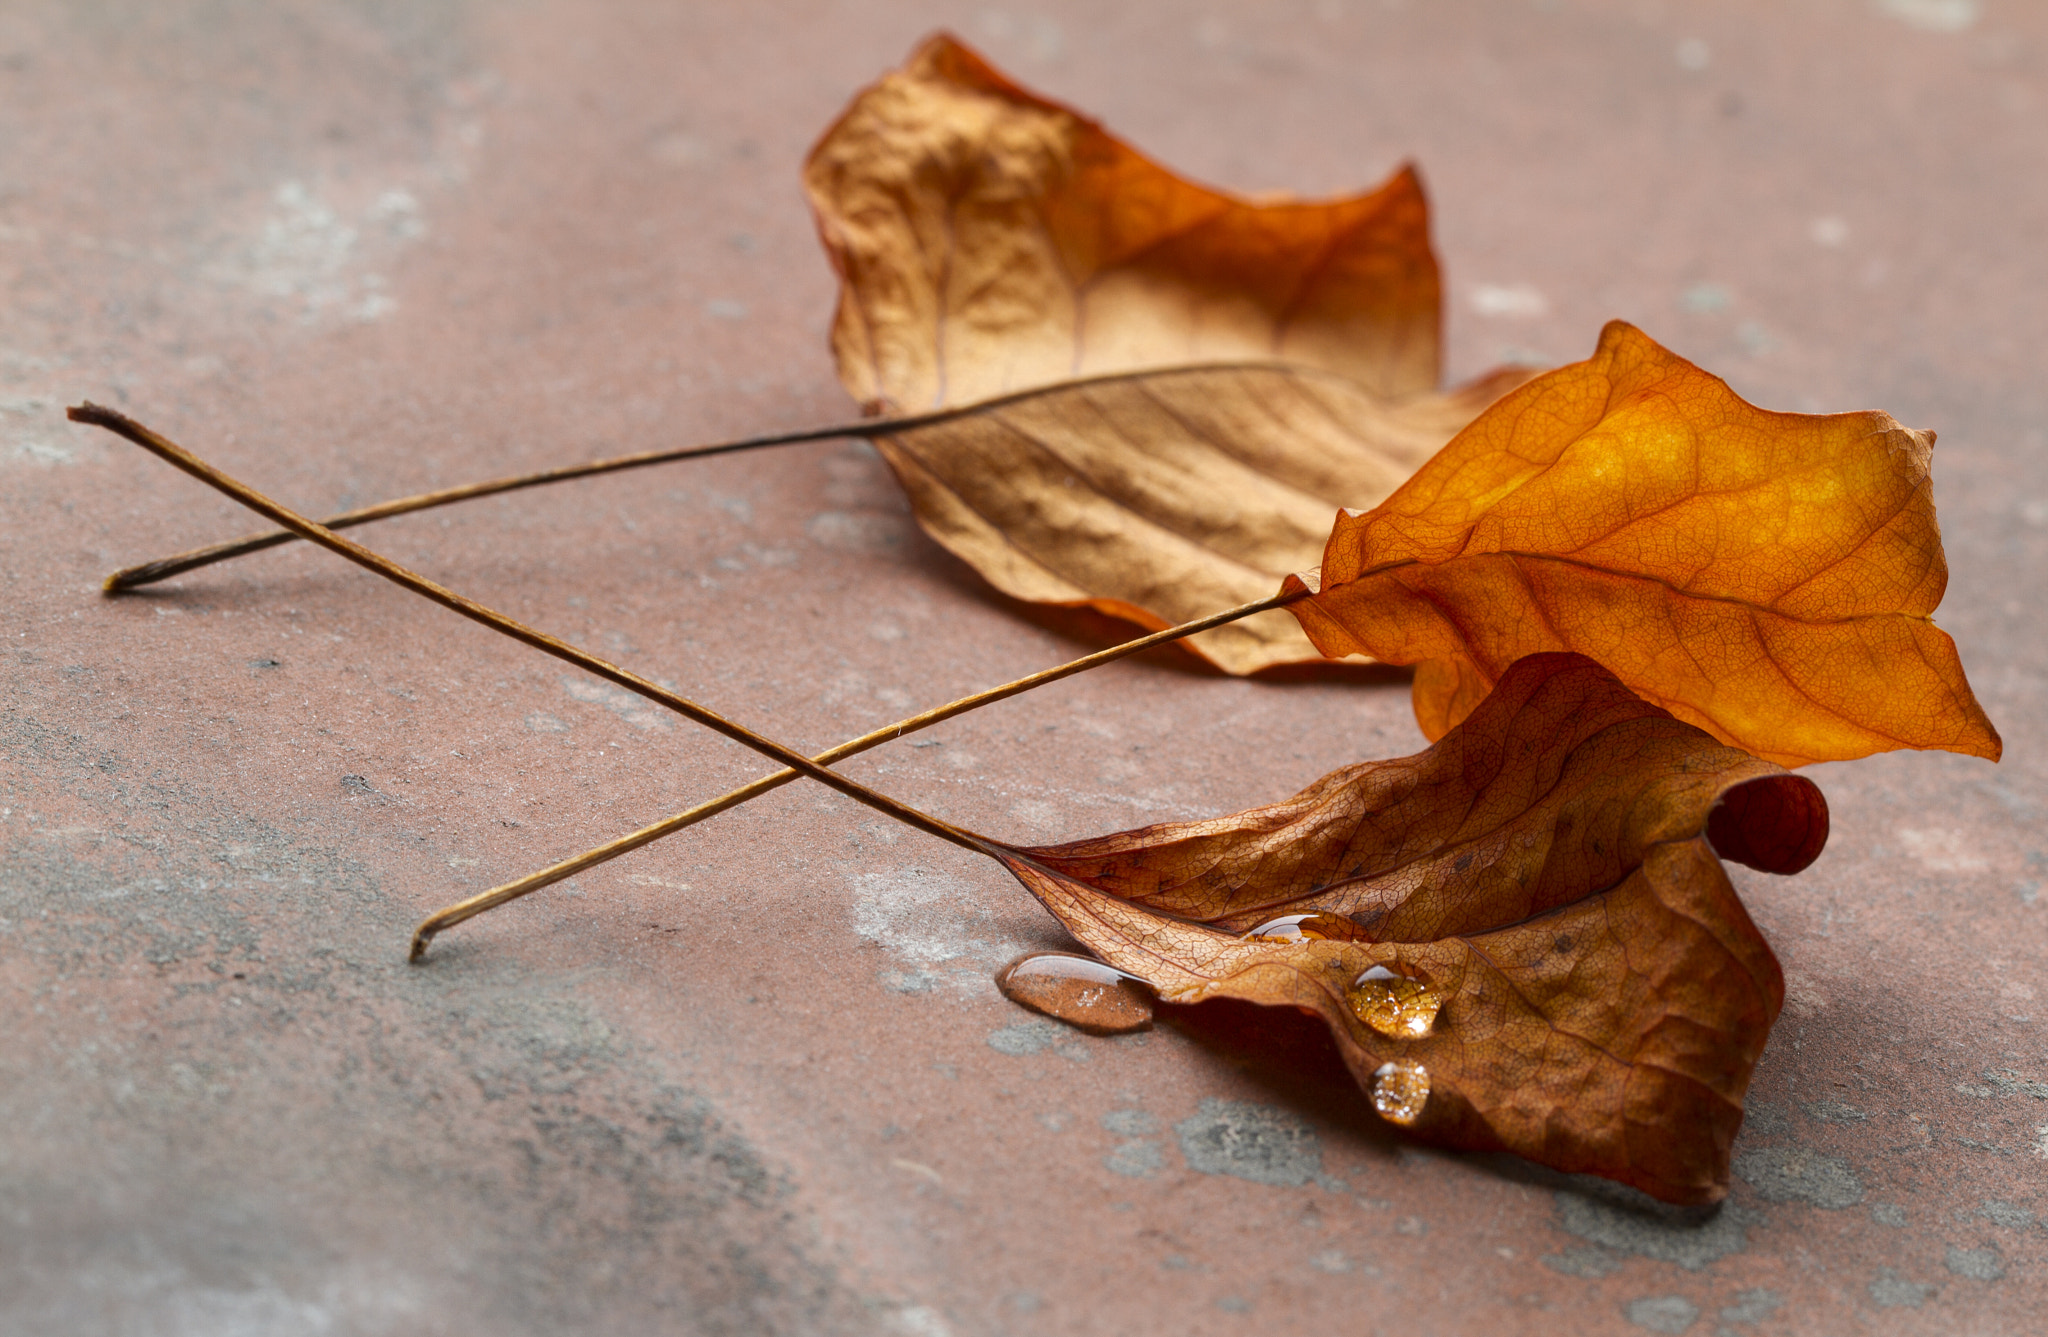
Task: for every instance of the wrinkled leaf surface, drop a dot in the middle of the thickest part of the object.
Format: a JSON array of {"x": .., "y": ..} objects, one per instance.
[
  {"x": 1214, "y": 377},
  {"x": 1767, "y": 576},
  {"x": 989, "y": 240},
  {"x": 1548, "y": 868},
  {"x": 1160, "y": 497}
]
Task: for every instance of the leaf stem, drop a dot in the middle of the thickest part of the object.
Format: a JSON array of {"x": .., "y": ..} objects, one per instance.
[
  {"x": 512, "y": 891},
  {"x": 172, "y": 453},
  {"x": 162, "y": 568}
]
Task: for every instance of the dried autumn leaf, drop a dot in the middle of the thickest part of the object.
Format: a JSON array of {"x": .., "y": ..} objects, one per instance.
[
  {"x": 1545, "y": 873},
  {"x": 1767, "y": 576},
  {"x": 989, "y": 241},
  {"x": 1163, "y": 496},
  {"x": 992, "y": 243}
]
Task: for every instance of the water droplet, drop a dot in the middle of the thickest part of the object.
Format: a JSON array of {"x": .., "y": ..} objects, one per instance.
[
  {"x": 1399, "y": 1092},
  {"x": 1308, "y": 928},
  {"x": 1395, "y": 1005},
  {"x": 1087, "y": 994}
]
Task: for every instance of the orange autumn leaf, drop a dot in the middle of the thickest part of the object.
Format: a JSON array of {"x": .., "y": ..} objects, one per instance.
[
  {"x": 989, "y": 241},
  {"x": 1769, "y": 577},
  {"x": 1175, "y": 388},
  {"x": 1521, "y": 938}
]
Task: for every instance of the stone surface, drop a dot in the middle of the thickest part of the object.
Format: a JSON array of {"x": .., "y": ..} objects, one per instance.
[{"x": 750, "y": 1080}]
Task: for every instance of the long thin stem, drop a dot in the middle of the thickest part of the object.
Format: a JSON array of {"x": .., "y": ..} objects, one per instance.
[
  {"x": 512, "y": 891},
  {"x": 162, "y": 568},
  {"x": 172, "y": 453}
]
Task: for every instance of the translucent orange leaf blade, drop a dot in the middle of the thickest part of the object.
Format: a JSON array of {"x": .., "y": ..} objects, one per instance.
[{"x": 1767, "y": 576}]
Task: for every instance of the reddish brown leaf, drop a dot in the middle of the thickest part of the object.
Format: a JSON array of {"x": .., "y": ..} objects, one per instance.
[
  {"x": 1545, "y": 873},
  {"x": 1767, "y": 576}
]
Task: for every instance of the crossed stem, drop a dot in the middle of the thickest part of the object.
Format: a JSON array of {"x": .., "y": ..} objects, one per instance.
[{"x": 795, "y": 764}]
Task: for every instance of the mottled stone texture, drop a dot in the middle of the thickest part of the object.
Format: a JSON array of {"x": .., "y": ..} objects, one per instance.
[{"x": 756, "y": 1079}]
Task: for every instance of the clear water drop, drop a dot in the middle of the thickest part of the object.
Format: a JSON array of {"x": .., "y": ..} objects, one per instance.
[
  {"x": 1400, "y": 1091},
  {"x": 1308, "y": 928},
  {"x": 1087, "y": 994},
  {"x": 1397, "y": 1006}
]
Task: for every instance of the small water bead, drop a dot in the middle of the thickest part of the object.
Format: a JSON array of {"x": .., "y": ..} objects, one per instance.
[
  {"x": 1400, "y": 1091},
  {"x": 1308, "y": 928},
  {"x": 1087, "y": 994},
  {"x": 1395, "y": 1005}
]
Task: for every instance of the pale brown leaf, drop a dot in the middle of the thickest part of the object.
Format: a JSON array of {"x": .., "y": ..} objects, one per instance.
[{"x": 1163, "y": 496}]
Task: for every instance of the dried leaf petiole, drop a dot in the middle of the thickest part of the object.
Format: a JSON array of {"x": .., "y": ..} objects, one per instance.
[
  {"x": 172, "y": 453},
  {"x": 511, "y": 891},
  {"x": 163, "y": 568},
  {"x": 298, "y": 526},
  {"x": 865, "y": 429}
]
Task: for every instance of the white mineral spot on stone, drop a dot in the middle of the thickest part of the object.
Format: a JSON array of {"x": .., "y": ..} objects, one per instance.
[
  {"x": 1262, "y": 1143},
  {"x": 1752, "y": 1306},
  {"x": 1940, "y": 850},
  {"x": 675, "y": 147},
  {"x": 1663, "y": 1313},
  {"x": 933, "y": 924},
  {"x": 1130, "y": 1123},
  {"x": 306, "y": 251},
  {"x": 1705, "y": 299},
  {"x": 1755, "y": 339},
  {"x": 1038, "y": 818},
  {"x": 1140, "y": 1158},
  {"x": 1511, "y": 301},
  {"x": 1889, "y": 1290},
  {"x": 856, "y": 531},
  {"x": 1035, "y": 36},
  {"x": 634, "y": 710},
  {"x": 921, "y": 1321},
  {"x": 1934, "y": 15},
  {"x": 33, "y": 430},
  {"x": 1985, "y": 1264}
]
